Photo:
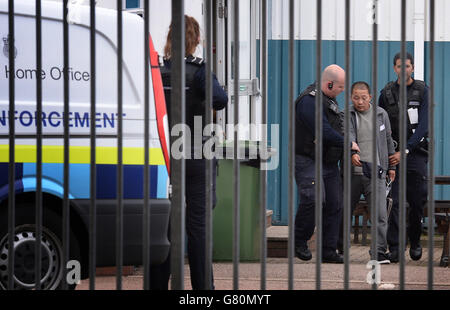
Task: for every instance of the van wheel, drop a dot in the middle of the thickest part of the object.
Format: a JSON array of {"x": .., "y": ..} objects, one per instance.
[{"x": 52, "y": 271}]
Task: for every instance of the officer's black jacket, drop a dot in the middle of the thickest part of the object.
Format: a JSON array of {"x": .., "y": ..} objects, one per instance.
[
  {"x": 195, "y": 89},
  {"x": 332, "y": 128},
  {"x": 416, "y": 92}
]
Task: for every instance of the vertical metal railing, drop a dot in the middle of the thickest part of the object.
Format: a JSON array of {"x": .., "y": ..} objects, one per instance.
[
  {"x": 38, "y": 250},
  {"x": 119, "y": 210},
  {"x": 374, "y": 173},
  {"x": 12, "y": 137},
  {"x": 93, "y": 168},
  {"x": 402, "y": 138},
  {"x": 209, "y": 162},
  {"x": 146, "y": 210},
  {"x": 291, "y": 245},
  {"x": 347, "y": 162},
  {"x": 178, "y": 110},
  {"x": 178, "y": 166},
  {"x": 236, "y": 161},
  {"x": 66, "y": 202},
  {"x": 263, "y": 176},
  {"x": 319, "y": 146},
  {"x": 431, "y": 149}
]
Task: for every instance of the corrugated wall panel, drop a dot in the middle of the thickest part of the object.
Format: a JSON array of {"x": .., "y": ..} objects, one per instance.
[
  {"x": 442, "y": 113},
  {"x": 333, "y": 52}
]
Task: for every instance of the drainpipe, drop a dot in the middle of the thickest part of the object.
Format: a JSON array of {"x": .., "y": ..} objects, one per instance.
[{"x": 419, "y": 39}]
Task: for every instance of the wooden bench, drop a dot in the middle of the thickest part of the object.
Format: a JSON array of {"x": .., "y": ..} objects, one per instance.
[
  {"x": 441, "y": 215},
  {"x": 441, "y": 212},
  {"x": 442, "y": 218},
  {"x": 361, "y": 209}
]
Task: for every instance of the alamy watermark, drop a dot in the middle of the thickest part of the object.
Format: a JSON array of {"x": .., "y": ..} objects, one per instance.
[
  {"x": 373, "y": 15},
  {"x": 374, "y": 275},
  {"x": 205, "y": 143},
  {"x": 73, "y": 272}
]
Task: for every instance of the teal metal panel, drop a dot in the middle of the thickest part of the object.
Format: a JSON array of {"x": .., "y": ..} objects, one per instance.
[
  {"x": 277, "y": 91},
  {"x": 442, "y": 112},
  {"x": 361, "y": 57}
]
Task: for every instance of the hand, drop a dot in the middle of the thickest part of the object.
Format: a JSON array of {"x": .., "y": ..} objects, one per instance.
[
  {"x": 391, "y": 174},
  {"x": 355, "y": 147},
  {"x": 394, "y": 159},
  {"x": 356, "y": 160}
]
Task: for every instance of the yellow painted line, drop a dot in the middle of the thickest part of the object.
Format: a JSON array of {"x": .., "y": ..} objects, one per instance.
[{"x": 82, "y": 155}]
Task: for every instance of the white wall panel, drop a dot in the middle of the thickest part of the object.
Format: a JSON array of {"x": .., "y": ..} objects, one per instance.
[
  {"x": 161, "y": 16},
  {"x": 442, "y": 26},
  {"x": 305, "y": 26},
  {"x": 333, "y": 20}
]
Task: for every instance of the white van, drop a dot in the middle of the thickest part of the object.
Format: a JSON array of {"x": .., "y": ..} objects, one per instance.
[{"x": 106, "y": 120}]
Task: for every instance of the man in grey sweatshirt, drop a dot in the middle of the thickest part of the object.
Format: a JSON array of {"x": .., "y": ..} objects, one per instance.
[{"x": 361, "y": 119}]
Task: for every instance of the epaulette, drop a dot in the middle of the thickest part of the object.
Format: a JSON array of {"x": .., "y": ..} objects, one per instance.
[
  {"x": 418, "y": 88},
  {"x": 195, "y": 60},
  {"x": 312, "y": 93}
]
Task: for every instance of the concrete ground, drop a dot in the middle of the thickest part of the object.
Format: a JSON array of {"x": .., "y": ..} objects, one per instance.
[
  {"x": 332, "y": 275},
  {"x": 304, "y": 275}
]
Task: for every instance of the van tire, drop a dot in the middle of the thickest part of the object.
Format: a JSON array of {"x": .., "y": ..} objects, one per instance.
[{"x": 51, "y": 244}]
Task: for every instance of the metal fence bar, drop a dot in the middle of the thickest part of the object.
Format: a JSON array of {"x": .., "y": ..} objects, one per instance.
[
  {"x": 319, "y": 145},
  {"x": 209, "y": 162},
  {"x": 291, "y": 217},
  {"x": 146, "y": 211},
  {"x": 178, "y": 171},
  {"x": 263, "y": 172},
  {"x": 402, "y": 183},
  {"x": 374, "y": 179},
  {"x": 236, "y": 161},
  {"x": 12, "y": 136},
  {"x": 347, "y": 154},
  {"x": 93, "y": 168},
  {"x": 431, "y": 149},
  {"x": 38, "y": 250},
  {"x": 66, "y": 203},
  {"x": 119, "y": 210}
]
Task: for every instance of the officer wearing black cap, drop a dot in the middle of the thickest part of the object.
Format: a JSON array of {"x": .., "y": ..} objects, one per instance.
[
  {"x": 332, "y": 84},
  {"x": 417, "y": 155}
]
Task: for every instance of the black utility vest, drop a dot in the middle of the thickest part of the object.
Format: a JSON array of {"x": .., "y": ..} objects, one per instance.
[
  {"x": 195, "y": 103},
  {"x": 304, "y": 138},
  {"x": 414, "y": 99}
]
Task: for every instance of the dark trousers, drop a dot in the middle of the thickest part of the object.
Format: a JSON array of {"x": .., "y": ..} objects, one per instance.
[
  {"x": 416, "y": 196},
  {"x": 332, "y": 203},
  {"x": 195, "y": 227}
]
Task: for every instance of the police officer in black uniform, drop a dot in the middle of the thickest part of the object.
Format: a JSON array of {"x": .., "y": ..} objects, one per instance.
[
  {"x": 417, "y": 155},
  {"x": 333, "y": 83},
  {"x": 195, "y": 167}
]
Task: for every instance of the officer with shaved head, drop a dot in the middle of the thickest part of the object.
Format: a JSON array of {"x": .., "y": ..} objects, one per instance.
[{"x": 332, "y": 84}]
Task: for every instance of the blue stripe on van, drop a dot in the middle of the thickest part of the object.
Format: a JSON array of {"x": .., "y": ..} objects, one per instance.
[
  {"x": 53, "y": 179},
  {"x": 133, "y": 181},
  {"x": 106, "y": 181},
  {"x": 53, "y": 176},
  {"x": 162, "y": 182},
  {"x": 153, "y": 185},
  {"x": 80, "y": 190},
  {"x": 4, "y": 174},
  {"x": 132, "y": 185}
]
